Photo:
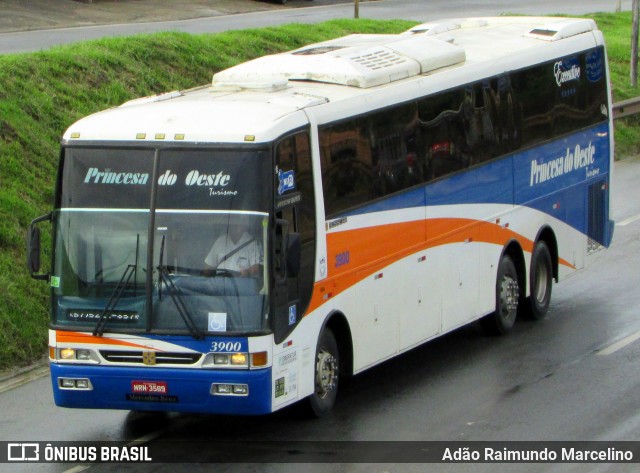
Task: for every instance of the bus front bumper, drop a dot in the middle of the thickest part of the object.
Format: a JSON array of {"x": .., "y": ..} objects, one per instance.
[{"x": 162, "y": 389}]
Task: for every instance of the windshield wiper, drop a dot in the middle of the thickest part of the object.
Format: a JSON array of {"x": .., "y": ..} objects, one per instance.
[
  {"x": 113, "y": 300},
  {"x": 176, "y": 296}
]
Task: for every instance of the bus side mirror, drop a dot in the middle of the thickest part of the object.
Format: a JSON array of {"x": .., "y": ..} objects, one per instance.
[{"x": 33, "y": 248}]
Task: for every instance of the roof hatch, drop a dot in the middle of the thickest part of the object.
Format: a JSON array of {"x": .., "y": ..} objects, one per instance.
[
  {"x": 356, "y": 60},
  {"x": 564, "y": 28}
]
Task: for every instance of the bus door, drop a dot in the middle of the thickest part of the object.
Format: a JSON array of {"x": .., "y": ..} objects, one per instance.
[{"x": 294, "y": 246}]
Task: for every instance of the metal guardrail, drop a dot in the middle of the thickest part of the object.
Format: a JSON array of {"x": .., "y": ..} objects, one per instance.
[{"x": 626, "y": 108}]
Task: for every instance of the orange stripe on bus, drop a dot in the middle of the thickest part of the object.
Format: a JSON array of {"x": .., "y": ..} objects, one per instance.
[
  {"x": 367, "y": 255},
  {"x": 79, "y": 337}
]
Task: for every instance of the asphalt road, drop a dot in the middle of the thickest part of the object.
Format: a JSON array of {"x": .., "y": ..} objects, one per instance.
[{"x": 417, "y": 10}]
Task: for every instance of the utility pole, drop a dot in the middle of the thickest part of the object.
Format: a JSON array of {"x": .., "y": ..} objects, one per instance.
[
  {"x": 634, "y": 44},
  {"x": 356, "y": 8}
]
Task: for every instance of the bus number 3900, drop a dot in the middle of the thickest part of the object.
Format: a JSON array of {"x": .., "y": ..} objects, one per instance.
[{"x": 226, "y": 346}]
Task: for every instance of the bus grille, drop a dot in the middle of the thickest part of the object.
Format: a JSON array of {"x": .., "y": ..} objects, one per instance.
[{"x": 161, "y": 358}]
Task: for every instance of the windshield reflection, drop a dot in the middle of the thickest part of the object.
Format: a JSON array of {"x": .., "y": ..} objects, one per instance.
[{"x": 205, "y": 270}]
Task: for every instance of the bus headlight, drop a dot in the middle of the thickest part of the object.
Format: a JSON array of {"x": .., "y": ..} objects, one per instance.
[
  {"x": 236, "y": 360},
  {"x": 74, "y": 354}
]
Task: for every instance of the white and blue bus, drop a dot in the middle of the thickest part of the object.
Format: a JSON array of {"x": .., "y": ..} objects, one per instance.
[{"x": 242, "y": 246}]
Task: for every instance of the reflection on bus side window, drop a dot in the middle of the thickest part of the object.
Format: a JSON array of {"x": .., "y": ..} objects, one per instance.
[{"x": 389, "y": 150}]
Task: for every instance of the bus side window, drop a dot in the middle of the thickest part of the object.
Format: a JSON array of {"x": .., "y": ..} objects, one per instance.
[
  {"x": 442, "y": 133},
  {"x": 346, "y": 161},
  {"x": 393, "y": 138},
  {"x": 293, "y": 155}
]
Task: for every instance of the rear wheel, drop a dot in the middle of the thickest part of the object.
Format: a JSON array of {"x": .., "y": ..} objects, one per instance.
[
  {"x": 540, "y": 281},
  {"x": 503, "y": 319},
  {"x": 326, "y": 375}
]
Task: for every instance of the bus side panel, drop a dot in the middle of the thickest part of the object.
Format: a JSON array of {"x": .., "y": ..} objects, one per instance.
[{"x": 559, "y": 179}]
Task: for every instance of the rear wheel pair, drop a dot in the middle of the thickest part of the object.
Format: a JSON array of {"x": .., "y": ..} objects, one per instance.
[{"x": 509, "y": 291}]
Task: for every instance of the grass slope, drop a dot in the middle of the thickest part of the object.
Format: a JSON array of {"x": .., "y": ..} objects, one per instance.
[{"x": 43, "y": 93}]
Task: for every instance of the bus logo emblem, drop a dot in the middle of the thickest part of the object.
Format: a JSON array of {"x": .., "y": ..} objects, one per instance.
[{"x": 149, "y": 357}]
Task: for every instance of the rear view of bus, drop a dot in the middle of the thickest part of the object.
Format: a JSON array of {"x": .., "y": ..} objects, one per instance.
[{"x": 239, "y": 247}]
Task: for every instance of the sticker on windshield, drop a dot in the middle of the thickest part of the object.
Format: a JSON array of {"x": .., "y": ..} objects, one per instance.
[
  {"x": 287, "y": 181},
  {"x": 217, "y": 322},
  {"x": 55, "y": 281}
]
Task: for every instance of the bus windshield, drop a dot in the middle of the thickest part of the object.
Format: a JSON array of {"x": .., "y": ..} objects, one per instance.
[{"x": 184, "y": 252}]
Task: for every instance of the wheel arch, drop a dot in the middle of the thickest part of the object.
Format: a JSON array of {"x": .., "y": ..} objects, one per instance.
[{"x": 548, "y": 236}]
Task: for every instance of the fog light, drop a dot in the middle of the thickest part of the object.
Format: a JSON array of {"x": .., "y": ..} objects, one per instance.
[
  {"x": 240, "y": 389},
  {"x": 67, "y": 383},
  {"x": 82, "y": 383},
  {"x": 227, "y": 389}
]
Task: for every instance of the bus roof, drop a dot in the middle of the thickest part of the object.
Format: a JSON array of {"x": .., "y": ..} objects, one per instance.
[{"x": 259, "y": 100}]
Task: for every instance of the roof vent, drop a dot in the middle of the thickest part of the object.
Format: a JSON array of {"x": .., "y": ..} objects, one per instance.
[
  {"x": 562, "y": 29},
  {"x": 439, "y": 27},
  {"x": 357, "y": 60}
]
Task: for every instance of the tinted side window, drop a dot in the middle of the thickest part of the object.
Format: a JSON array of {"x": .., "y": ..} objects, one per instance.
[
  {"x": 561, "y": 96},
  {"x": 369, "y": 157},
  {"x": 389, "y": 150},
  {"x": 295, "y": 202}
]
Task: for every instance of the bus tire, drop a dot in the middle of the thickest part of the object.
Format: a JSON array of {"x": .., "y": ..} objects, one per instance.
[
  {"x": 503, "y": 319},
  {"x": 326, "y": 375},
  {"x": 540, "y": 281}
]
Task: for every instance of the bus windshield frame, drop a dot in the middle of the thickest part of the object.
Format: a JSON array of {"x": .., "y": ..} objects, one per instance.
[{"x": 164, "y": 240}]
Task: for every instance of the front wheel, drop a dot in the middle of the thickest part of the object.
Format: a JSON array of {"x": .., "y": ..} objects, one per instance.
[
  {"x": 540, "y": 281},
  {"x": 326, "y": 375},
  {"x": 503, "y": 319}
]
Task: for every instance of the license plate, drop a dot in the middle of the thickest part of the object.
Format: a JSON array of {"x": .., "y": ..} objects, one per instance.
[{"x": 149, "y": 387}]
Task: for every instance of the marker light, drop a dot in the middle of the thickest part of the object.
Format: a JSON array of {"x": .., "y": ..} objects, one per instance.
[{"x": 259, "y": 359}]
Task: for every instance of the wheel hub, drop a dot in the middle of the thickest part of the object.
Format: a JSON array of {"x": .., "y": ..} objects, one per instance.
[
  {"x": 326, "y": 374},
  {"x": 509, "y": 295}
]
